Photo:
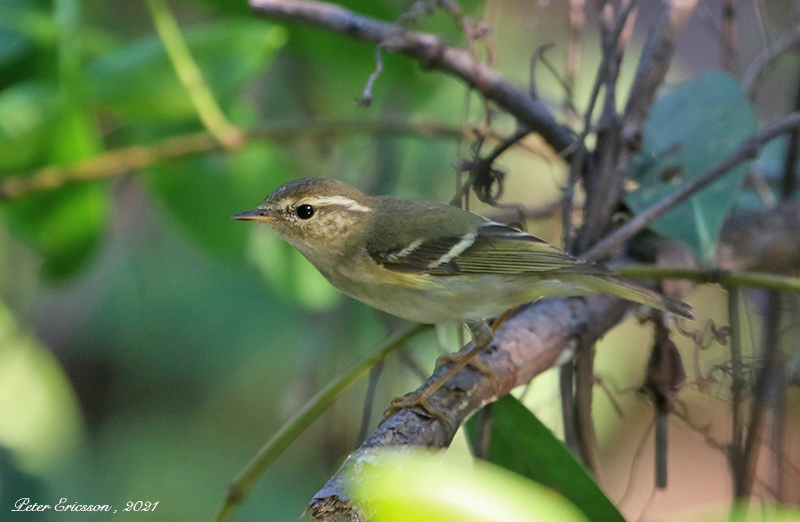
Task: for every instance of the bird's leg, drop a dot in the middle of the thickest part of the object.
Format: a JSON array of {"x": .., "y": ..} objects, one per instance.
[
  {"x": 480, "y": 332},
  {"x": 482, "y": 336}
]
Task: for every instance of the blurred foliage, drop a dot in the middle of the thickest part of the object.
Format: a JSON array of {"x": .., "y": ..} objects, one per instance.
[
  {"x": 37, "y": 404},
  {"x": 137, "y": 82},
  {"x": 519, "y": 442},
  {"x": 411, "y": 485},
  {"x": 149, "y": 345}
]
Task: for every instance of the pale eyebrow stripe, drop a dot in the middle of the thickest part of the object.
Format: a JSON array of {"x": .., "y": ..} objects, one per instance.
[
  {"x": 456, "y": 250},
  {"x": 349, "y": 204}
]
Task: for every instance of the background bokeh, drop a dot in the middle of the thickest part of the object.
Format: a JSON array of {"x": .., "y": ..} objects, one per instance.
[{"x": 149, "y": 345}]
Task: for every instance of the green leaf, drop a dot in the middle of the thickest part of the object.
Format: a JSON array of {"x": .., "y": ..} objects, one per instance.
[
  {"x": 139, "y": 83},
  {"x": 691, "y": 129},
  {"x": 26, "y": 125},
  {"x": 396, "y": 487},
  {"x": 202, "y": 192},
  {"x": 64, "y": 226},
  {"x": 13, "y": 44},
  {"x": 40, "y": 418},
  {"x": 521, "y": 443}
]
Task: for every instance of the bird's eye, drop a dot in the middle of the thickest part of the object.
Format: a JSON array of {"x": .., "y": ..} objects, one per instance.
[{"x": 305, "y": 211}]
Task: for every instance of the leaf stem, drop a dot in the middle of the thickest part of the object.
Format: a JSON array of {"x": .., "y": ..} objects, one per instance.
[
  {"x": 718, "y": 276},
  {"x": 191, "y": 77}
]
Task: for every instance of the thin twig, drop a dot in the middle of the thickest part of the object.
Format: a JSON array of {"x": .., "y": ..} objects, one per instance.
[
  {"x": 761, "y": 63},
  {"x": 366, "y": 96},
  {"x": 369, "y": 400},
  {"x": 728, "y": 35},
  {"x": 566, "y": 384},
  {"x": 117, "y": 162},
  {"x": 653, "y": 66},
  {"x": 577, "y": 24},
  {"x": 777, "y": 405},
  {"x": 738, "y": 384},
  {"x": 746, "y": 151},
  {"x": 580, "y": 162},
  {"x": 789, "y": 178},
  {"x": 758, "y": 10},
  {"x": 603, "y": 189},
  {"x": 763, "y": 387},
  {"x": 637, "y": 458},
  {"x": 622, "y": 22},
  {"x": 562, "y": 82},
  {"x": 584, "y": 393},
  {"x": 625, "y": 136},
  {"x": 775, "y": 397},
  {"x": 431, "y": 52}
]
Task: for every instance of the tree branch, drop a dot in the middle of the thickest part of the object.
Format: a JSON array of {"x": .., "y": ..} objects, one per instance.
[
  {"x": 624, "y": 136},
  {"x": 653, "y": 66},
  {"x": 432, "y": 53},
  {"x": 524, "y": 346}
]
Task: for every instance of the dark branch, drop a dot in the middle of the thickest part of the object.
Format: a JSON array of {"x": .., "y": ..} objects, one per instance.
[
  {"x": 431, "y": 52},
  {"x": 526, "y": 345}
]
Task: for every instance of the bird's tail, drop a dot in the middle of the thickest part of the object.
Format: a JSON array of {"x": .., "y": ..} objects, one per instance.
[{"x": 611, "y": 286}]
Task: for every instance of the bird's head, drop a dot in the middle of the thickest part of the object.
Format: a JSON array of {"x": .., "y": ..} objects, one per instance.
[{"x": 318, "y": 216}]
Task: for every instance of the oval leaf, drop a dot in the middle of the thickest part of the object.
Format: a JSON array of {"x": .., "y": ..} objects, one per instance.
[
  {"x": 27, "y": 113},
  {"x": 139, "y": 83},
  {"x": 691, "y": 129},
  {"x": 64, "y": 226},
  {"x": 519, "y": 442}
]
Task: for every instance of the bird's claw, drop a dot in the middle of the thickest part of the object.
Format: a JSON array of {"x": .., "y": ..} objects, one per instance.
[
  {"x": 419, "y": 400},
  {"x": 456, "y": 358}
]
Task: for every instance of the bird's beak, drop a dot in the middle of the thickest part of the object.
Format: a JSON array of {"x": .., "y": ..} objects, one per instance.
[{"x": 254, "y": 215}]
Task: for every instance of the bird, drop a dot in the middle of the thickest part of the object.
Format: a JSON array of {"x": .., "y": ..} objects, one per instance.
[{"x": 430, "y": 262}]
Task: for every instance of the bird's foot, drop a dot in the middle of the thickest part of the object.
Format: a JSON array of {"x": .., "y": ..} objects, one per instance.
[
  {"x": 482, "y": 336},
  {"x": 412, "y": 400},
  {"x": 459, "y": 360}
]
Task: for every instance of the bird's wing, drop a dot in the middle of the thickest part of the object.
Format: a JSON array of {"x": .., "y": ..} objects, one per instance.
[{"x": 490, "y": 249}]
